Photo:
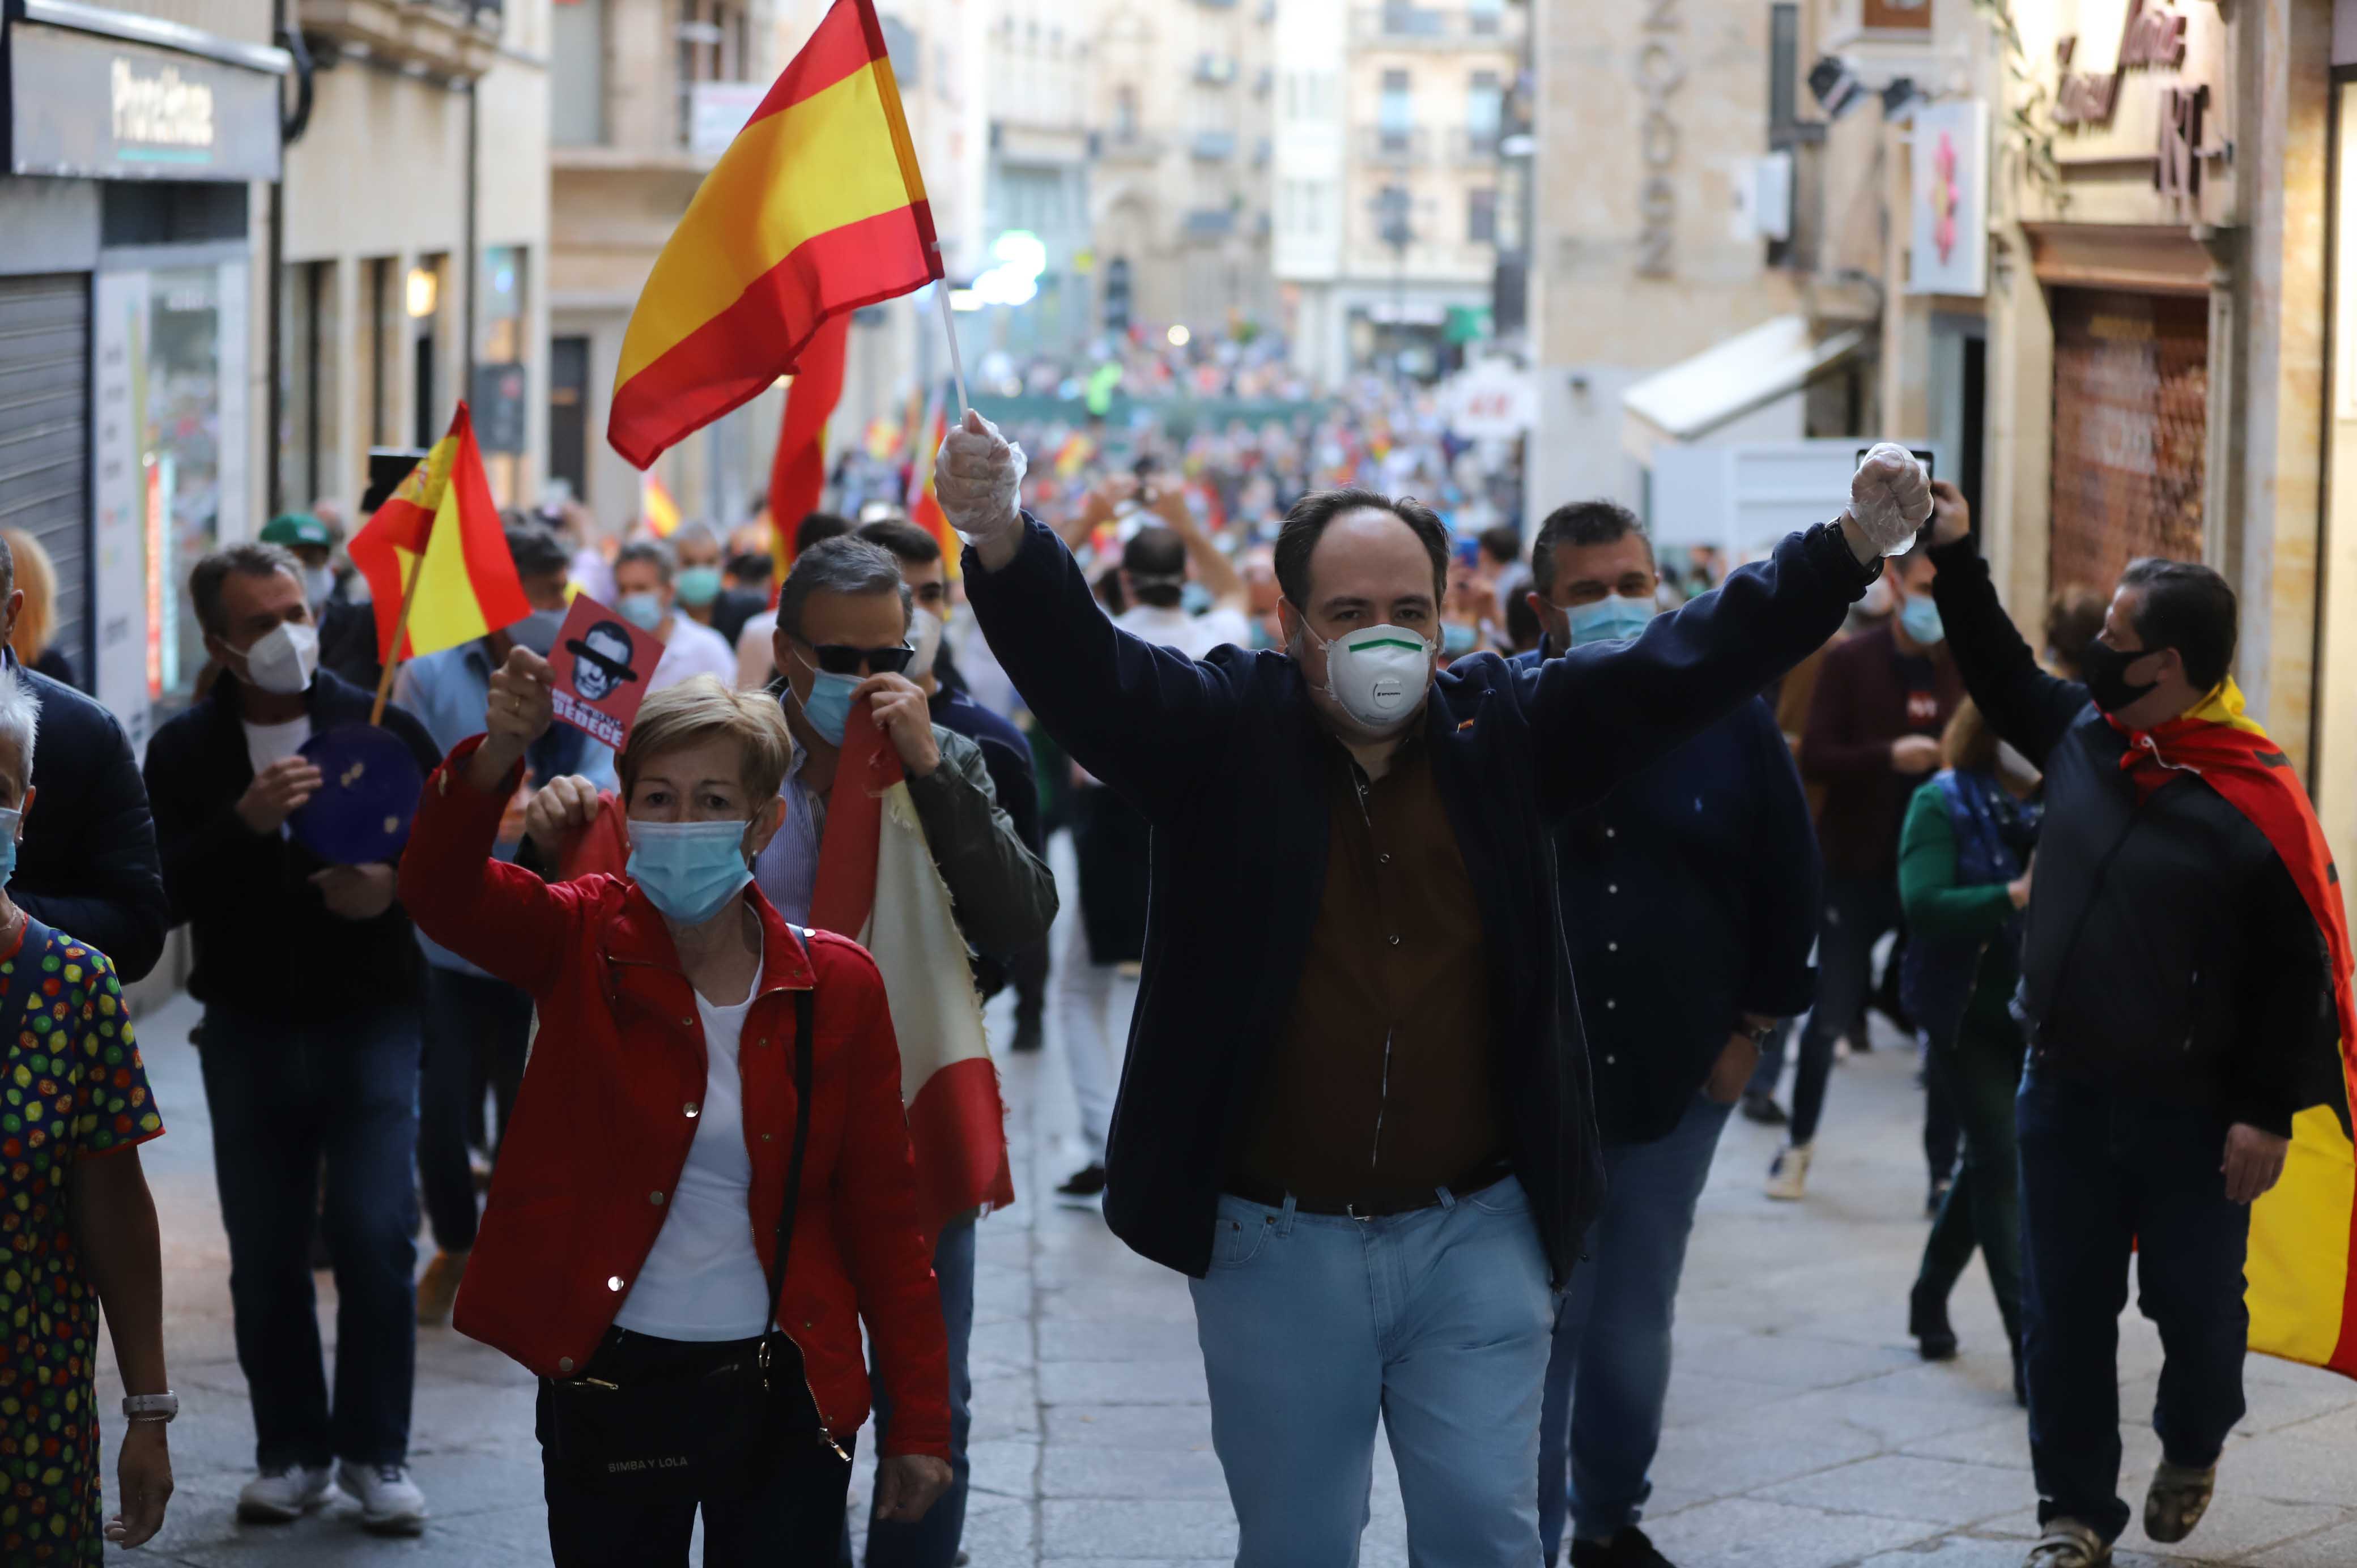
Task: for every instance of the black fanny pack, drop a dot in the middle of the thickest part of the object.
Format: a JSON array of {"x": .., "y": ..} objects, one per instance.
[{"x": 696, "y": 1420}]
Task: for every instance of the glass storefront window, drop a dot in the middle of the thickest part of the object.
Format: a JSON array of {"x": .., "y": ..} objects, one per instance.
[{"x": 181, "y": 463}]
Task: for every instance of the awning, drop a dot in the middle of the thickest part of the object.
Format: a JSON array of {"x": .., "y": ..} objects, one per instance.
[{"x": 1747, "y": 372}]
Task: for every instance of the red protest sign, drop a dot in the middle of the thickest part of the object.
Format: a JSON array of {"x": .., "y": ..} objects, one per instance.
[{"x": 599, "y": 669}]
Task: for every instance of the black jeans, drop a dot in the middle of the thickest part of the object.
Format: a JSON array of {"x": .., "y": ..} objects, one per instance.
[
  {"x": 284, "y": 1096},
  {"x": 475, "y": 1026},
  {"x": 792, "y": 1519},
  {"x": 1978, "y": 1074},
  {"x": 2101, "y": 1175},
  {"x": 1859, "y": 910}
]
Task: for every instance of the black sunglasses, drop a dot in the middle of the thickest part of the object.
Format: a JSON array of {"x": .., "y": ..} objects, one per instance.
[{"x": 835, "y": 659}]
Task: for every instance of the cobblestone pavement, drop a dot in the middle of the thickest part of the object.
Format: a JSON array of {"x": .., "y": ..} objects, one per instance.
[{"x": 1804, "y": 1433}]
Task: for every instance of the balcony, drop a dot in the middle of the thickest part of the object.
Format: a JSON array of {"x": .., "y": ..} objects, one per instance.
[
  {"x": 1130, "y": 146},
  {"x": 1215, "y": 70},
  {"x": 1213, "y": 146},
  {"x": 1470, "y": 148},
  {"x": 1431, "y": 27},
  {"x": 1211, "y": 222},
  {"x": 1393, "y": 148},
  {"x": 455, "y": 42}
]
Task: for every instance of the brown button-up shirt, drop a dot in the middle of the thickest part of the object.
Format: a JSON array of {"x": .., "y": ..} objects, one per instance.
[{"x": 1379, "y": 1084}]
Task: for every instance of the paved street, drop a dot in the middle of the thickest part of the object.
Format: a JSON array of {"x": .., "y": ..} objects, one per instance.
[{"x": 1805, "y": 1433}]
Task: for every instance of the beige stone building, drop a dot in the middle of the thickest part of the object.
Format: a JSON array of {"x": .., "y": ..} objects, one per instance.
[
  {"x": 1389, "y": 179},
  {"x": 1179, "y": 194}
]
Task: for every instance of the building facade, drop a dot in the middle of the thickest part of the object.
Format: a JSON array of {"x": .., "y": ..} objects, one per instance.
[
  {"x": 140, "y": 148},
  {"x": 1389, "y": 178}
]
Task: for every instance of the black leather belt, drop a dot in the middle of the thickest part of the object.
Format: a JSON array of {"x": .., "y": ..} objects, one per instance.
[{"x": 1374, "y": 1206}]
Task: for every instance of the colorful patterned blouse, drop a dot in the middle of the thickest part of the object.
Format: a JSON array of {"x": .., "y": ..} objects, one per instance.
[{"x": 72, "y": 1088}]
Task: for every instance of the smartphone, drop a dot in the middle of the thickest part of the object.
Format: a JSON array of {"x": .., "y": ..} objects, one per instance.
[{"x": 1921, "y": 454}]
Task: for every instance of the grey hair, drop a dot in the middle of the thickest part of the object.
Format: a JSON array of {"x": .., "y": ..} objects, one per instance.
[
  {"x": 848, "y": 564},
  {"x": 650, "y": 550},
  {"x": 20, "y": 721},
  {"x": 689, "y": 534}
]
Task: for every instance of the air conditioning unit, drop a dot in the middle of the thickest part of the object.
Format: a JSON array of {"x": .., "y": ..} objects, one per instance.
[{"x": 1763, "y": 197}]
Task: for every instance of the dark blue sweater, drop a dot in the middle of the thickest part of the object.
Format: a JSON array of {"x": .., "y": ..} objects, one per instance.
[
  {"x": 1691, "y": 893},
  {"x": 1228, "y": 760}
]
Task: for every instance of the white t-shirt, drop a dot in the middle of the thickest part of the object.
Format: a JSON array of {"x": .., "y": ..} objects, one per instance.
[
  {"x": 701, "y": 1280},
  {"x": 694, "y": 649},
  {"x": 266, "y": 743},
  {"x": 1193, "y": 636}
]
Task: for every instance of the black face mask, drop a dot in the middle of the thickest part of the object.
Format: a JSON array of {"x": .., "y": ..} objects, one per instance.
[{"x": 2107, "y": 671}]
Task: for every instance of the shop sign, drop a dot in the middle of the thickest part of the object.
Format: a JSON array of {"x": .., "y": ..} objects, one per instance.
[
  {"x": 1948, "y": 241},
  {"x": 1896, "y": 15},
  {"x": 95, "y": 107},
  {"x": 2151, "y": 100},
  {"x": 1661, "y": 70}
]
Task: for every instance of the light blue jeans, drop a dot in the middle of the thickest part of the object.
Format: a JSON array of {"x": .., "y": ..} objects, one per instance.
[
  {"x": 1603, "y": 1420},
  {"x": 1438, "y": 1321}
]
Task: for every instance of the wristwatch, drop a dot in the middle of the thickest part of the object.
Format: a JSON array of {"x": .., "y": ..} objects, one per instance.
[
  {"x": 1758, "y": 1032},
  {"x": 151, "y": 1407}
]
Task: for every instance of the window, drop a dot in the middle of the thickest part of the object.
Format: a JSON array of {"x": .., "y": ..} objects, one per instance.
[
  {"x": 1393, "y": 210},
  {"x": 1488, "y": 17},
  {"x": 715, "y": 45},
  {"x": 576, "y": 74},
  {"x": 1481, "y": 216},
  {"x": 1395, "y": 113},
  {"x": 306, "y": 411},
  {"x": 1124, "y": 114},
  {"x": 1784, "y": 68},
  {"x": 1485, "y": 107}
]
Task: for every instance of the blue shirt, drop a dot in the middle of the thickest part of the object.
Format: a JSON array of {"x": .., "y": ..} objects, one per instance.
[
  {"x": 446, "y": 693},
  {"x": 787, "y": 868},
  {"x": 1690, "y": 899}
]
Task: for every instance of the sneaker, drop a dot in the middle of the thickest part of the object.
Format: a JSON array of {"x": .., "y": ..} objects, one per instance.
[
  {"x": 1788, "y": 1178},
  {"x": 1029, "y": 1036},
  {"x": 1630, "y": 1548},
  {"x": 391, "y": 1503},
  {"x": 438, "y": 1287},
  {"x": 1927, "y": 1322},
  {"x": 2067, "y": 1544},
  {"x": 1085, "y": 1188},
  {"x": 1761, "y": 1107},
  {"x": 2178, "y": 1497},
  {"x": 286, "y": 1493}
]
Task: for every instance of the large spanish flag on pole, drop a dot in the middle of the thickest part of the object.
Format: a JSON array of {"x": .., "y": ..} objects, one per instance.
[
  {"x": 2301, "y": 1273},
  {"x": 435, "y": 556},
  {"x": 816, "y": 209}
]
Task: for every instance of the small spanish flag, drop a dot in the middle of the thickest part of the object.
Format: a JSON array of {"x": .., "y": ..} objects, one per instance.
[
  {"x": 656, "y": 509},
  {"x": 924, "y": 507},
  {"x": 816, "y": 209},
  {"x": 467, "y": 587}
]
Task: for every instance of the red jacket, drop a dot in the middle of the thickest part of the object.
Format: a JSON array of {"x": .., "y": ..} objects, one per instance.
[{"x": 607, "y": 1111}]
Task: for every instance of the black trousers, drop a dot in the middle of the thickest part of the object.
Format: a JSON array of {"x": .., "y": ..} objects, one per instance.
[{"x": 793, "y": 1518}]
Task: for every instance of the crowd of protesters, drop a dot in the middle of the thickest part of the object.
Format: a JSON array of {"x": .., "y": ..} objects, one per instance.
[{"x": 1441, "y": 894}]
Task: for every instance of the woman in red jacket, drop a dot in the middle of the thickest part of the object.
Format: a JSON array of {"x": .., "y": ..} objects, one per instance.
[{"x": 628, "y": 1252}]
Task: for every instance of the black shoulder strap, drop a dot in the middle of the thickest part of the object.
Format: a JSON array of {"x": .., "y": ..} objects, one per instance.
[{"x": 805, "y": 1048}]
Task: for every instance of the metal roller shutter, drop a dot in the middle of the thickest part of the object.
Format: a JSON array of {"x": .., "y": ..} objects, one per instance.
[
  {"x": 2131, "y": 430},
  {"x": 45, "y": 435}
]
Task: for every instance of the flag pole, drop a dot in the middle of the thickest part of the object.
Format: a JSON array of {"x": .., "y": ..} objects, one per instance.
[
  {"x": 400, "y": 633},
  {"x": 948, "y": 324}
]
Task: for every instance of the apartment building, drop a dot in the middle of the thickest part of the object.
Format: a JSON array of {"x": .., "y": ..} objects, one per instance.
[{"x": 1388, "y": 175}]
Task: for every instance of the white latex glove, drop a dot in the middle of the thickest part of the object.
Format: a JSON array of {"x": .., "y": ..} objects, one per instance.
[
  {"x": 978, "y": 479},
  {"x": 1890, "y": 497}
]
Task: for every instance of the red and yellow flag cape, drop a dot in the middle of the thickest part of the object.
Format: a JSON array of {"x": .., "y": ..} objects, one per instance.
[
  {"x": 816, "y": 209},
  {"x": 2301, "y": 1272}
]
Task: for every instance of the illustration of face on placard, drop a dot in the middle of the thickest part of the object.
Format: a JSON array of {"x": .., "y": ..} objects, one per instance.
[{"x": 599, "y": 669}]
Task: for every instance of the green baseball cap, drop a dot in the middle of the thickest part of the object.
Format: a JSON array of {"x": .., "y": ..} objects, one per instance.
[{"x": 298, "y": 531}]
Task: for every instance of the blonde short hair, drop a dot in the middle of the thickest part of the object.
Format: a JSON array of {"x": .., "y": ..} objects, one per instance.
[
  {"x": 38, "y": 575},
  {"x": 699, "y": 709}
]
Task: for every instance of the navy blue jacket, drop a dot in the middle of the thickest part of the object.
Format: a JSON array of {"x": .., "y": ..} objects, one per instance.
[
  {"x": 1227, "y": 759},
  {"x": 1703, "y": 871}
]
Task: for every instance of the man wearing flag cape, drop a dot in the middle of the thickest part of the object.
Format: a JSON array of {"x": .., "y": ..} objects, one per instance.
[{"x": 2185, "y": 973}]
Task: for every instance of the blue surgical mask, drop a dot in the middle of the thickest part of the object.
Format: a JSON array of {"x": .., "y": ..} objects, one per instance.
[
  {"x": 689, "y": 870},
  {"x": 698, "y": 586},
  {"x": 1194, "y": 598},
  {"x": 8, "y": 822},
  {"x": 1920, "y": 618},
  {"x": 538, "y": 631},
  {"x": 1457, "y": 638},
  {"x": 1614, "y": 618},
  {"x": 644, "y": 611},
  {"x": 828, "y": 706}
]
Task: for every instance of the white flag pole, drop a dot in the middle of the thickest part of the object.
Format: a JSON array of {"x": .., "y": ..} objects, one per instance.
[{"x": 948, "y": 324}]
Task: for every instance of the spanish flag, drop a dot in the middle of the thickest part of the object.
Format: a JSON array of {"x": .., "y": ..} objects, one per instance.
[
  {"x": 656, "y": 509},
  {"x": 2301, "y": 1275},
  {"x": 817, "y": 209},
  {"x": 798, "y": 471},
  {"x": 467, "y": 587},
  {"x": 924, "y": 507}
]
